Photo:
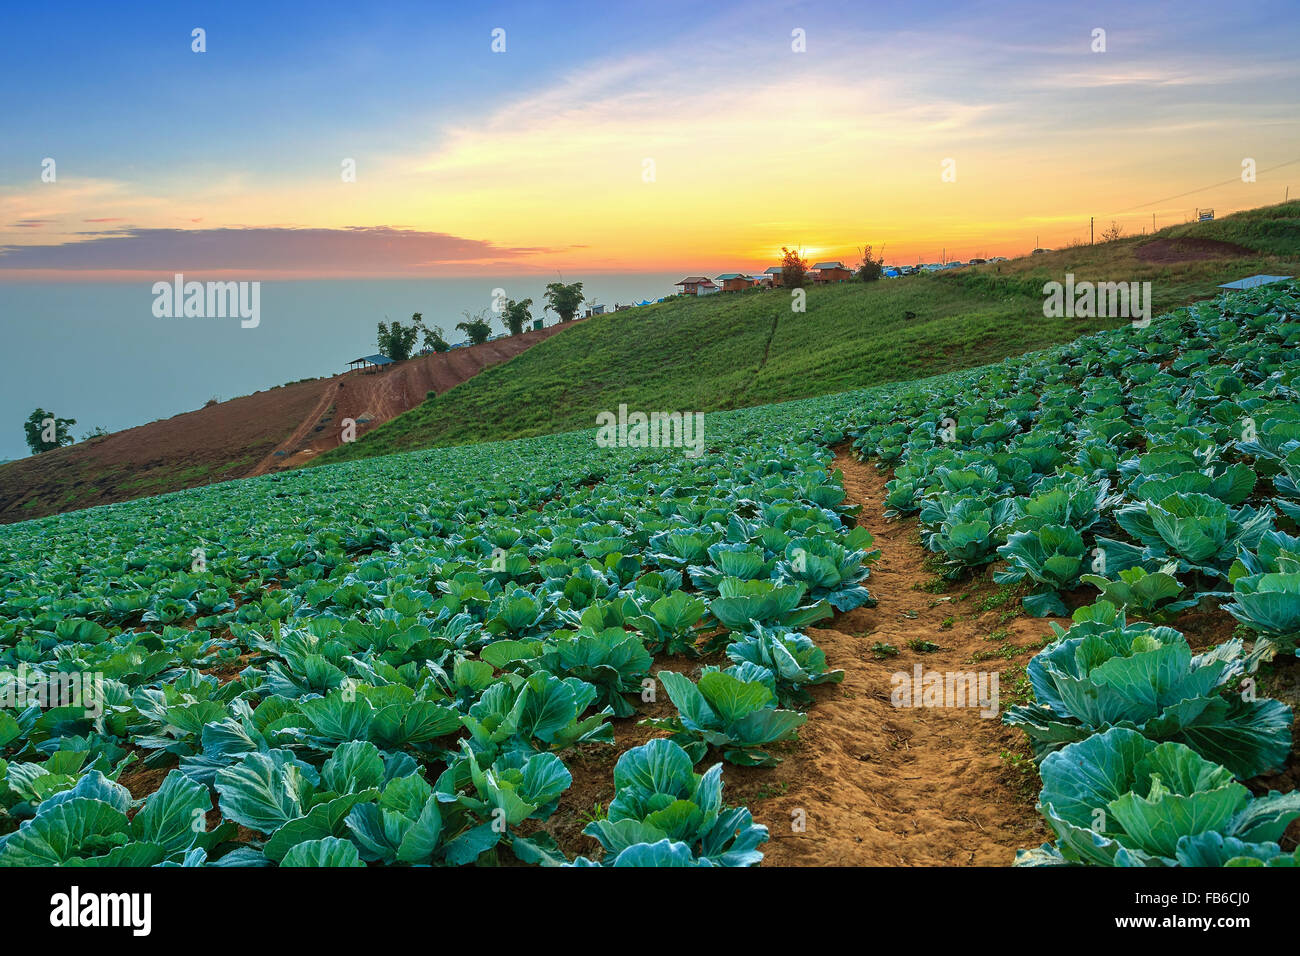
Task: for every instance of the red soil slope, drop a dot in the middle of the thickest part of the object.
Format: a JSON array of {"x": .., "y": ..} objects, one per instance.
[
  {"x": 245, "y": 436},
  {"x": 370, "y": 399}
]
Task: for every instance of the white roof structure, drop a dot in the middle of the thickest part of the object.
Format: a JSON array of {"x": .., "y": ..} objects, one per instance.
[{"x": 1251, "y": 281}]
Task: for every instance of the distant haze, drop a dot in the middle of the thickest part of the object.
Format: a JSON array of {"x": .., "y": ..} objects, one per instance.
[{"x": 94, "y": 351}]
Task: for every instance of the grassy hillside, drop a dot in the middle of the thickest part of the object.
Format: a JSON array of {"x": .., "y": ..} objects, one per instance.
[{"x": 736, "y": 350}]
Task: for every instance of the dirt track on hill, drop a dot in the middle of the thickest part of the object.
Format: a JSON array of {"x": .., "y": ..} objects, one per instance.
[
  {"x": 240, "y": 437},
  {"x": 370, "y": 399}
]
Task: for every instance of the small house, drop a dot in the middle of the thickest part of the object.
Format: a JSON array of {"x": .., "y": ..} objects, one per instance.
[
  {"x": 735, "y": 282},
  {"x": 774, "y": 275},
  {"x": 824, "y": 272},
  {"x": 697, "y": 285},
  {"x": 369, "y": 363}
]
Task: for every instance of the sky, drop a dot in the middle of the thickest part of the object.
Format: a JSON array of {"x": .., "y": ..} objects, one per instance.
[{"x": 621, "y": 137}]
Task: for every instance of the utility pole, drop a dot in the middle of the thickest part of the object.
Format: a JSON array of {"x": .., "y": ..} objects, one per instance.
[
  {"x": 1153, "y": 224},
  {"x": 1091, "y": 221}
]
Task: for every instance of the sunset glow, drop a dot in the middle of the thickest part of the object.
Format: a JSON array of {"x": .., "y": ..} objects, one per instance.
[{"x": 606, "y": 141}]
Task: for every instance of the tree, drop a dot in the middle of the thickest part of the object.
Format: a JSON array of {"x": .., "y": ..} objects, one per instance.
[
  {"x": 434, "y": 341},
  {"x": 476, "y": 326},
  {"x": 871, "y": 268},
  {"x": 397, "y": 341},
  {"x": 1114, "y": 232},
  {"x": 794, "y": 269},
  {"x": 45, "y": 431},
  {"x": 564, "y": 300},
  {"x": 517, "y": 315}
]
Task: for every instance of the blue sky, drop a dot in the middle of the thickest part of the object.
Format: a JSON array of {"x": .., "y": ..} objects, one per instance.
[{"x": 541, "y": 148}]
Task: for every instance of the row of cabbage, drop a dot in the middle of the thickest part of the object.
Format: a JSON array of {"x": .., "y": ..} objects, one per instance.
[
  {"x": 1160, "y": 466},
  {"x": 385, "y": 662},
  {"x": 1162, "y": 461}
]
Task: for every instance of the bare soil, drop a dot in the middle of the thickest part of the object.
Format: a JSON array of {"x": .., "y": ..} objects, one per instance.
[{"x": 1190, "y": 249}]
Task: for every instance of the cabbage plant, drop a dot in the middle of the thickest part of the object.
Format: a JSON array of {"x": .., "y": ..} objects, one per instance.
[
  {"x": 1199, "y": 533},
  {"x": 1268, "y": 604},
  {"x": 540, "y": 712},
  {"x": 658, "y": 796},
  {"x": 668, "y": 623},
  {"x": 966, "y": 531},
  {"x": 832, "y": 571},
  {"x": 612, "y": 660},
  {"x": 737, "y": 716},
  {"x": 742, "y": 605},
  {"x": 1118, "y": 799},
  {"x": 742, "y": 561},
  {"x": 88, "y": 825},
  {"x": 1050, "y": 557},
  {"x": 793, "y": 659},
  {"x": 1143, "y": 591},
  {"x": 1147, "y": 679}
]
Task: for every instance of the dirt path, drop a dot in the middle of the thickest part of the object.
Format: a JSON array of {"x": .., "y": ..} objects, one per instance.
[
  {"x": 319, "y": 411},
  {"x": 767, "y": 351},
  {"x": 882, "y": 785}
]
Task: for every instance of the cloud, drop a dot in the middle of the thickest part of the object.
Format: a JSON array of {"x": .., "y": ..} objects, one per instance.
[{"x": 359, "y": 249}]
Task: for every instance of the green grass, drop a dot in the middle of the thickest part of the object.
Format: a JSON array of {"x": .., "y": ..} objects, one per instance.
[{"x": 735, "y": 350}]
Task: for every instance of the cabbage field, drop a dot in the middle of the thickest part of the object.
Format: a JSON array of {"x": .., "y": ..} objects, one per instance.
[{"x": 388, "y": 661}]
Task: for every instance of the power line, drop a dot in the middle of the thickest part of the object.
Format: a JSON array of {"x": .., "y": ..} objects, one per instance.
[{"x": 1226, "y": 182}]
